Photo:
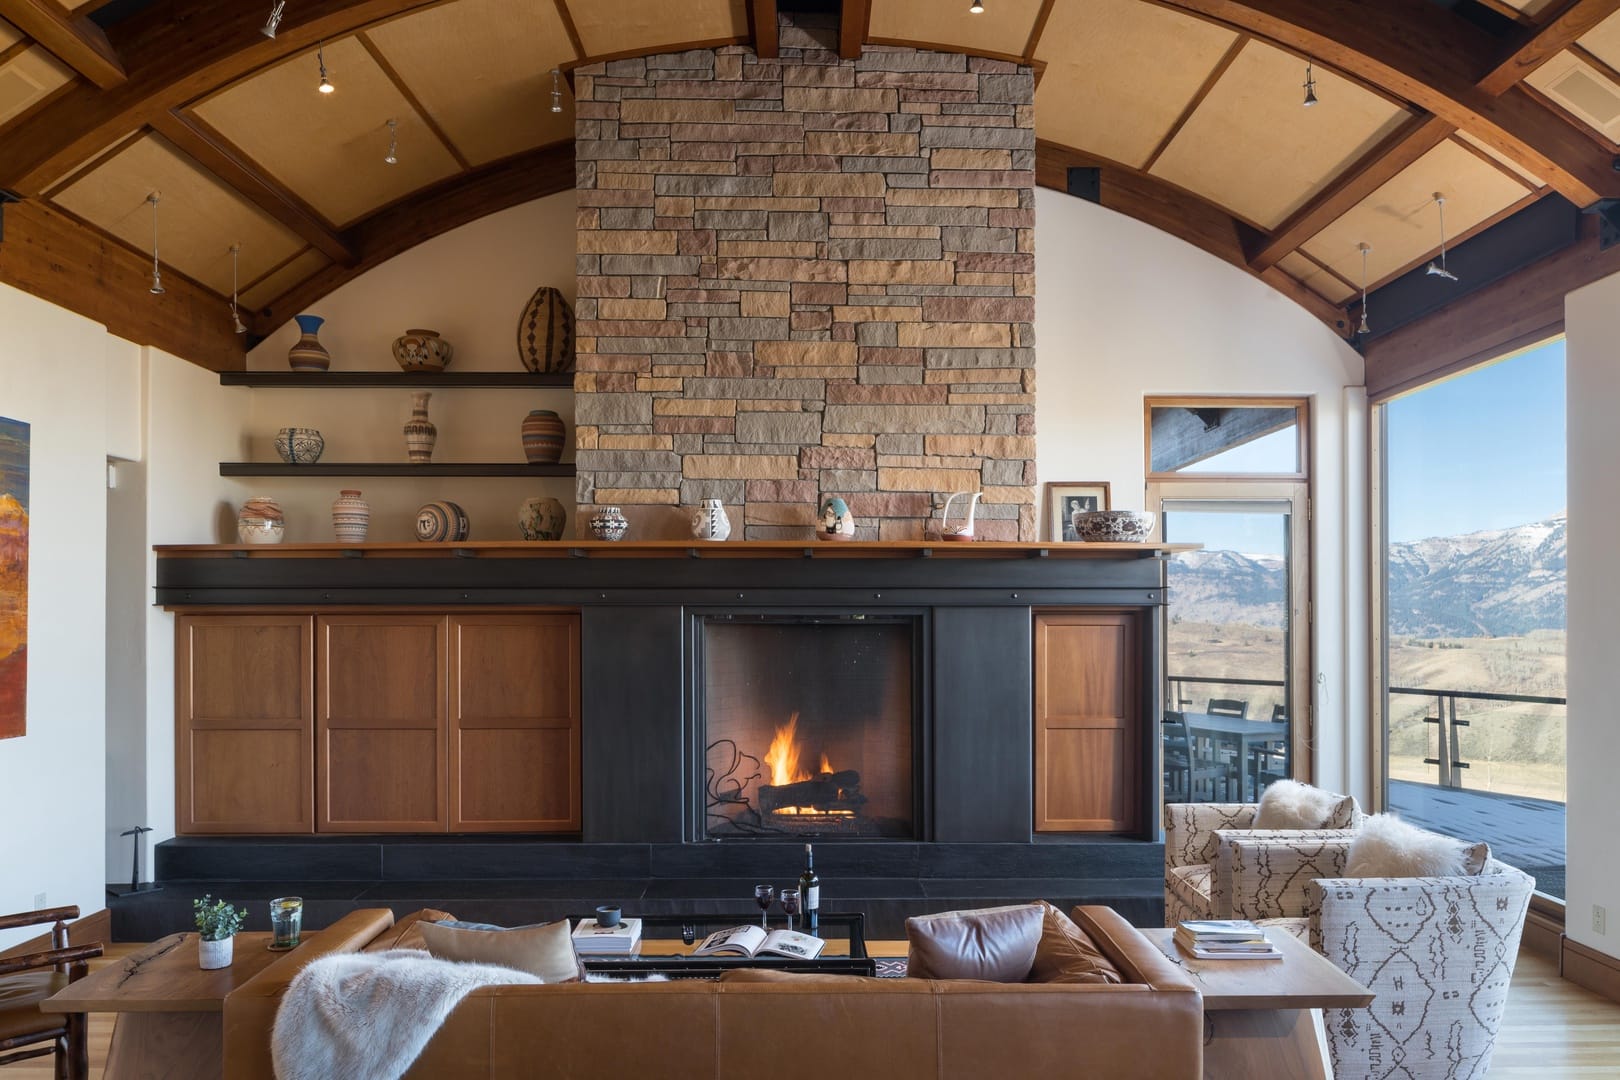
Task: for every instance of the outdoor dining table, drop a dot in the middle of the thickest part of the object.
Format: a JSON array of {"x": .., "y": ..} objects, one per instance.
[{"x": 1249, "y": 737}]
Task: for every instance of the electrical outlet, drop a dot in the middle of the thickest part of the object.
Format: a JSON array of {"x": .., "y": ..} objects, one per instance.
[
  {"x": 1600, "y": 919},
  {"x": 39, "y": 902}
]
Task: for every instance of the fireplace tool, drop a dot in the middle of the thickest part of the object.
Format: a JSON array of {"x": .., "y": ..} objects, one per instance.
[
  {"x": 962, "y": 530},
  {"x": 135, "y": 885}
]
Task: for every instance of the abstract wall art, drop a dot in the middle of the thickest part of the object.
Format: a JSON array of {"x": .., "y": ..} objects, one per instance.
[{"x": 13, "y": 578}]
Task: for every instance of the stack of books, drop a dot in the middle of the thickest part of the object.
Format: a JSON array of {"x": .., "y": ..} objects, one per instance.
[
  {"x": 1225, "y": 939},
  {"x": 590, "y": 939}
]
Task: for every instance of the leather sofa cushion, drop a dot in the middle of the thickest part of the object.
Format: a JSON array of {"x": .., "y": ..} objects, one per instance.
[
  {"x": 545, "y": 950},
  {"x": 1066, "y": 954},
  {"x": 993, "y": 944},
  {"x": 20, "y": 995},
  {"x": 407, "y": 933},
  {"x": 801, "y": 978}
]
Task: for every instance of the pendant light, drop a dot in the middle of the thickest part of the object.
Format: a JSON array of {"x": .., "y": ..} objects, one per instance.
[
  {"x": 1310, "y": 85},
  {"x": 393, "y": 143},
  {"x": 1438, "y": 267},
  {"x": 157, "y": 275},
  {"x": 556, "y": 90},
  {"x": 1364, "y": 248},
  {"x": 326, "y": 86},
  {"x": 976, "y": 8},
  {"x": 270, "y": 24},
  {"x": 236, "y": 318}
]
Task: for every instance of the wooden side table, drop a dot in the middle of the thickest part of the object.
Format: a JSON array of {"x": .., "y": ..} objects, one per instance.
[
  {"x": 1257, "y": 1013},
  {"x": 169, "y": 1023}
]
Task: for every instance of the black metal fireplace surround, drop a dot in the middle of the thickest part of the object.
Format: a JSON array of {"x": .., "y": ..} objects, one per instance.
[{"x": 949, "y": 717}]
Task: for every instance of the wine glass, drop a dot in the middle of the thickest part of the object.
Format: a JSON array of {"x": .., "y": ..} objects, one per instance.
[
  {"x": 790, "y": 904},
  {"x": 764, "y": 896}
]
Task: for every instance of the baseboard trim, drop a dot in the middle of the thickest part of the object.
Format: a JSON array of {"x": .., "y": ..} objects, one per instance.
[
  {"x": 1543, "y": 935},
  {"x": 1586, "y": 967},
  {"x": 96, "y": 926}
]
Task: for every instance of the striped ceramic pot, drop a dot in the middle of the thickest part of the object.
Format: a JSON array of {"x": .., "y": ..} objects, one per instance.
[
  {"x": 442, "y": 521},
  {"x": 542, "y": 437},
  {"x": 307, "y": 353},
  {"x": 351, "y": 517},
  {"x": 420, "y": 434}
]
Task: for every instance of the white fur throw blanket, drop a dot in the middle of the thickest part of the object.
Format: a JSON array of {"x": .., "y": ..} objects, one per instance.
[{"x": 367, "y": 1016}]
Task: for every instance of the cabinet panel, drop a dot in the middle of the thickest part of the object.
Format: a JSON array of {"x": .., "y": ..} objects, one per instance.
[
  {"x": 514, "y": 731},
  {"x": 381, "y": 730},
  {"x": 244, "y": 732},
  {"x": 1087, "y": 721}
]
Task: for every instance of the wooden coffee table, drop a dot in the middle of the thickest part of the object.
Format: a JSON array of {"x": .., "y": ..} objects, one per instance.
[
  {"x": 1257, "y": 1013},
  {"x": 169, "y": 1022}
]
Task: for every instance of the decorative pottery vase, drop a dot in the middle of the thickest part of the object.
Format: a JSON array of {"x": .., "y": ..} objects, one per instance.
[
  {"x": 215, "y": 954},
  {"x": 308, "y": 354},
  {"x": 420, "y": 434},
  {"x": 545, "y": 334},
  {"x": 709, "y": 521},
  {"x": 260, "y": 521},
  {"x": 542, "y": 519},
  {"x": 837, "y": 523},
  {"x": 299, "y": 445},
  {"x": 542, "y": 437},
  {"x": 351, "y": 517},
  {"x": 422, "y": 350},
  {"x": 442, "y": 521},
  {"x": 609, "y": 523}
]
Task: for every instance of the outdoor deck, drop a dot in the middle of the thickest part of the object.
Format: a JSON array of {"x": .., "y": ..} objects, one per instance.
[{"x": 1522, "y": 832}]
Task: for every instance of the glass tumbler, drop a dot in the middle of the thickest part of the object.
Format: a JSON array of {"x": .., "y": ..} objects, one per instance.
[{"x": 286, "y": 919}]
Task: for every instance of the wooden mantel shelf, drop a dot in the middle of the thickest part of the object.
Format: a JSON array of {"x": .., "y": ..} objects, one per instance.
[{"x": 677, "y": 549}]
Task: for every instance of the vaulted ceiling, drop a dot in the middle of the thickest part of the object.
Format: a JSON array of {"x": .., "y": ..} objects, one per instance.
[{"x": 1191, "y": 110}]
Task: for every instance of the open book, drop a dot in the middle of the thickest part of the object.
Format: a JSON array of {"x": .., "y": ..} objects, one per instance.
[{"x": 755, "y": 941}]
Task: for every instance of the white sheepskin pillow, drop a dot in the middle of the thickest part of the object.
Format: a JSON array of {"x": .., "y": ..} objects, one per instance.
[
  {"x": 1289, "y": 804},
  {"x": 1387, "y": 847}
]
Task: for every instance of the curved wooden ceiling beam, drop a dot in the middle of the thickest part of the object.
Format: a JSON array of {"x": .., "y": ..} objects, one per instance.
[
  {"x": 428, "y": 213},
  {"x": 173, "y": 53},
  {"x": 71, "y": 38},
  {"x": 1436, "y": 60}
]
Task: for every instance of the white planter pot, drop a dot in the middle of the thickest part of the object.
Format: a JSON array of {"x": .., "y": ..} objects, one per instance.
[{"x": 214, "y": 954}]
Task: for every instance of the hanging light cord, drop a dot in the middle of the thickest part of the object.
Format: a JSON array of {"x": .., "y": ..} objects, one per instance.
[
  {"x": 157, "y": 273},
  {"x": 236, "y": 317},
  {"x": 1364, "y": 328}
]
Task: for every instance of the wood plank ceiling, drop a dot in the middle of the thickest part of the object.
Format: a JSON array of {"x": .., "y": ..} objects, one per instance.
[{"x": 1191, "y": 110}]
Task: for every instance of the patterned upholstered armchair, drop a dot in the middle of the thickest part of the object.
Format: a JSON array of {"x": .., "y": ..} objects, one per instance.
[{"x": 1437, "y": 952}]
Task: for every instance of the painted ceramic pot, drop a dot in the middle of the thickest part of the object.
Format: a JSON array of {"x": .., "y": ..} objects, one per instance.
[
  {"x": 299, "y": 445},
  {"x": 609, "y": 523},
  {"x": 542, "y": 437},
  {"x": 709, "y": 521},
  {"x": 422, "y": 350},
  {"x": 545, "y": 334},
  {"x": 215, "y": 954},
  {"x": 351, "y": 517},
  {"x": 438, "y": 522},
  {"x": 260, "y": 521},
  {"x": 1112, "y": 526},
  {"x": 307, "y": 353},
  {"x": 837, "y": 523},
  {"x": 420, "y": 434},
  {"x": 542, "y": 519}
]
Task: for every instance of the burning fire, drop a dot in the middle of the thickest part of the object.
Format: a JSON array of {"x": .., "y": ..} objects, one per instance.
[{"x": 783, "y": 759}]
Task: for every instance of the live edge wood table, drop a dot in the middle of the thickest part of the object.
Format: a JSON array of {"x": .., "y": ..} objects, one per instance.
[
  {"x": 1257, "y": 1019},
  {"x": 170, "y": 1010}
]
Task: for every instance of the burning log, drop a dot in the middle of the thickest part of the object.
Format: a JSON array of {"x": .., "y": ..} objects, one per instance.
[{"x": 825, "y": 793}]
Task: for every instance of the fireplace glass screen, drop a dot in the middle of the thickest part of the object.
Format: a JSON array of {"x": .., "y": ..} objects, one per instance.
[{"x": 809, "y": 727}]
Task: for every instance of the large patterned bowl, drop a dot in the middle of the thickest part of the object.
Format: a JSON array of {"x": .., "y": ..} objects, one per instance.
[
  {"x": 1113, "y": 526},
  {"x": 299, "y": 445}
]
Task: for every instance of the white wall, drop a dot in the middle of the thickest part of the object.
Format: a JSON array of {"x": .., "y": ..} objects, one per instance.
[
  {"x": 52, "y": 366},
  {"x": 1124, "y": 311},
  {"x": 470, "y": 285},
  {"x": 1593, "y": 733}
]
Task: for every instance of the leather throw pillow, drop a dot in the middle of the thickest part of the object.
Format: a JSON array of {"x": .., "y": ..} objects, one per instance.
[
  {"x": 1066, "y": 954},
  {"x": 994, "y": 944},
  {"x": 545, "y": 950},
  {"x": 407, "y": 932}
]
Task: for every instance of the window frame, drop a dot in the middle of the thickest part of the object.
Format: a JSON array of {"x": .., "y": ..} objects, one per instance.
[{"x": 1302, "y": 430}]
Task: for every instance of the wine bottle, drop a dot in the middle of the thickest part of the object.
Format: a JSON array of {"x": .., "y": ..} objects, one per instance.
[{"x": 810, "y": 893}]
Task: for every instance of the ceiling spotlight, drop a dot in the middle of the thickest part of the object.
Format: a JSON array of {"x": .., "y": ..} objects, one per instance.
[
  {"x": 270, "y": 24},
  {"x": 326, "y": 86},
  {"x": 157, "y": 275},
  {"x": 1364, "y": 328},
  {"x": 236, "y": 319},
  {"x": 1310, "y": 85},
  {"x": 393, "y": 143},
  {"x": 556, "y": 90},
  {"x": 1438, "y": 267},
  {"x": 976, "y": 8}
]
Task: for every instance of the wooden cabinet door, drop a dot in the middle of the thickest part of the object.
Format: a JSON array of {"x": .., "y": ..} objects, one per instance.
[
  {"x": 380, "y": 723},
  {"x": 514, "y": 723},
  {"x": 244, "y": 736},
  {"x": 1088, "y": 758}
]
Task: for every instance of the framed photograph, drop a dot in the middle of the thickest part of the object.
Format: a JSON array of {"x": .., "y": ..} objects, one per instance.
[{"x": 1063, "y": 499}]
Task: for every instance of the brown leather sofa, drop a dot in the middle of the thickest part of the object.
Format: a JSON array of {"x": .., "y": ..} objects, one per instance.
[{"x": 1149, "y": 1027}]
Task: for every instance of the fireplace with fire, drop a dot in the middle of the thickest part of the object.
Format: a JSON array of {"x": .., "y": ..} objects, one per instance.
[{"x": 809, "y": 725}]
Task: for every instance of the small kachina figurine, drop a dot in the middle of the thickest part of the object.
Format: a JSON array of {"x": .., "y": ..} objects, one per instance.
[{"x": 837, "y": 523}]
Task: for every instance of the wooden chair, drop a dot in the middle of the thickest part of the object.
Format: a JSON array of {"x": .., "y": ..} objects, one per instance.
[
  {"x": 1196, "y": 775},
  {"x": 27, "y": 980}
]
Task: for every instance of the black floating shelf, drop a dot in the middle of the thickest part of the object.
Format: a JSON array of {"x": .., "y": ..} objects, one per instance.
[
  {"x": 357, "y": 379},
  {"x": 393, "y": 468}
]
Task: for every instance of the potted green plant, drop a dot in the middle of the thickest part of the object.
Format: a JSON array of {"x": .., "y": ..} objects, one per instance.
[{"x": 217, "y": 924}]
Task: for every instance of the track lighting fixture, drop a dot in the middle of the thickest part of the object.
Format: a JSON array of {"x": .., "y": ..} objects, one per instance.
[
  {"x": 1310, "y": 85},
  {"x": 556, "y": 90},
  {"x": 236, "y": 318},
  {"x": 326, "y": 86},
  {"x": 393, "y": 143},
  {"x": 1364, "y": 248},
  {"x": 1438, "y": 267},
  {"x": 270, "y": 24},
  {"x": 157, "y": 275},
  {"x": 976, "y": 8}
]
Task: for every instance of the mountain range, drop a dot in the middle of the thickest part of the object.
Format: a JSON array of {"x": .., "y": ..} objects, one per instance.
[{"x": 1497, "y": 583}]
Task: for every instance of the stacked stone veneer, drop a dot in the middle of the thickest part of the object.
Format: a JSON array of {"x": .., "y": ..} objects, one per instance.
[{"x": 807, "y": 277}]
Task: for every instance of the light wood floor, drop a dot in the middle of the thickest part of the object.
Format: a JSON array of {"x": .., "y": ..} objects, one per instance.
[{"x": 1553, "y": 1030}]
